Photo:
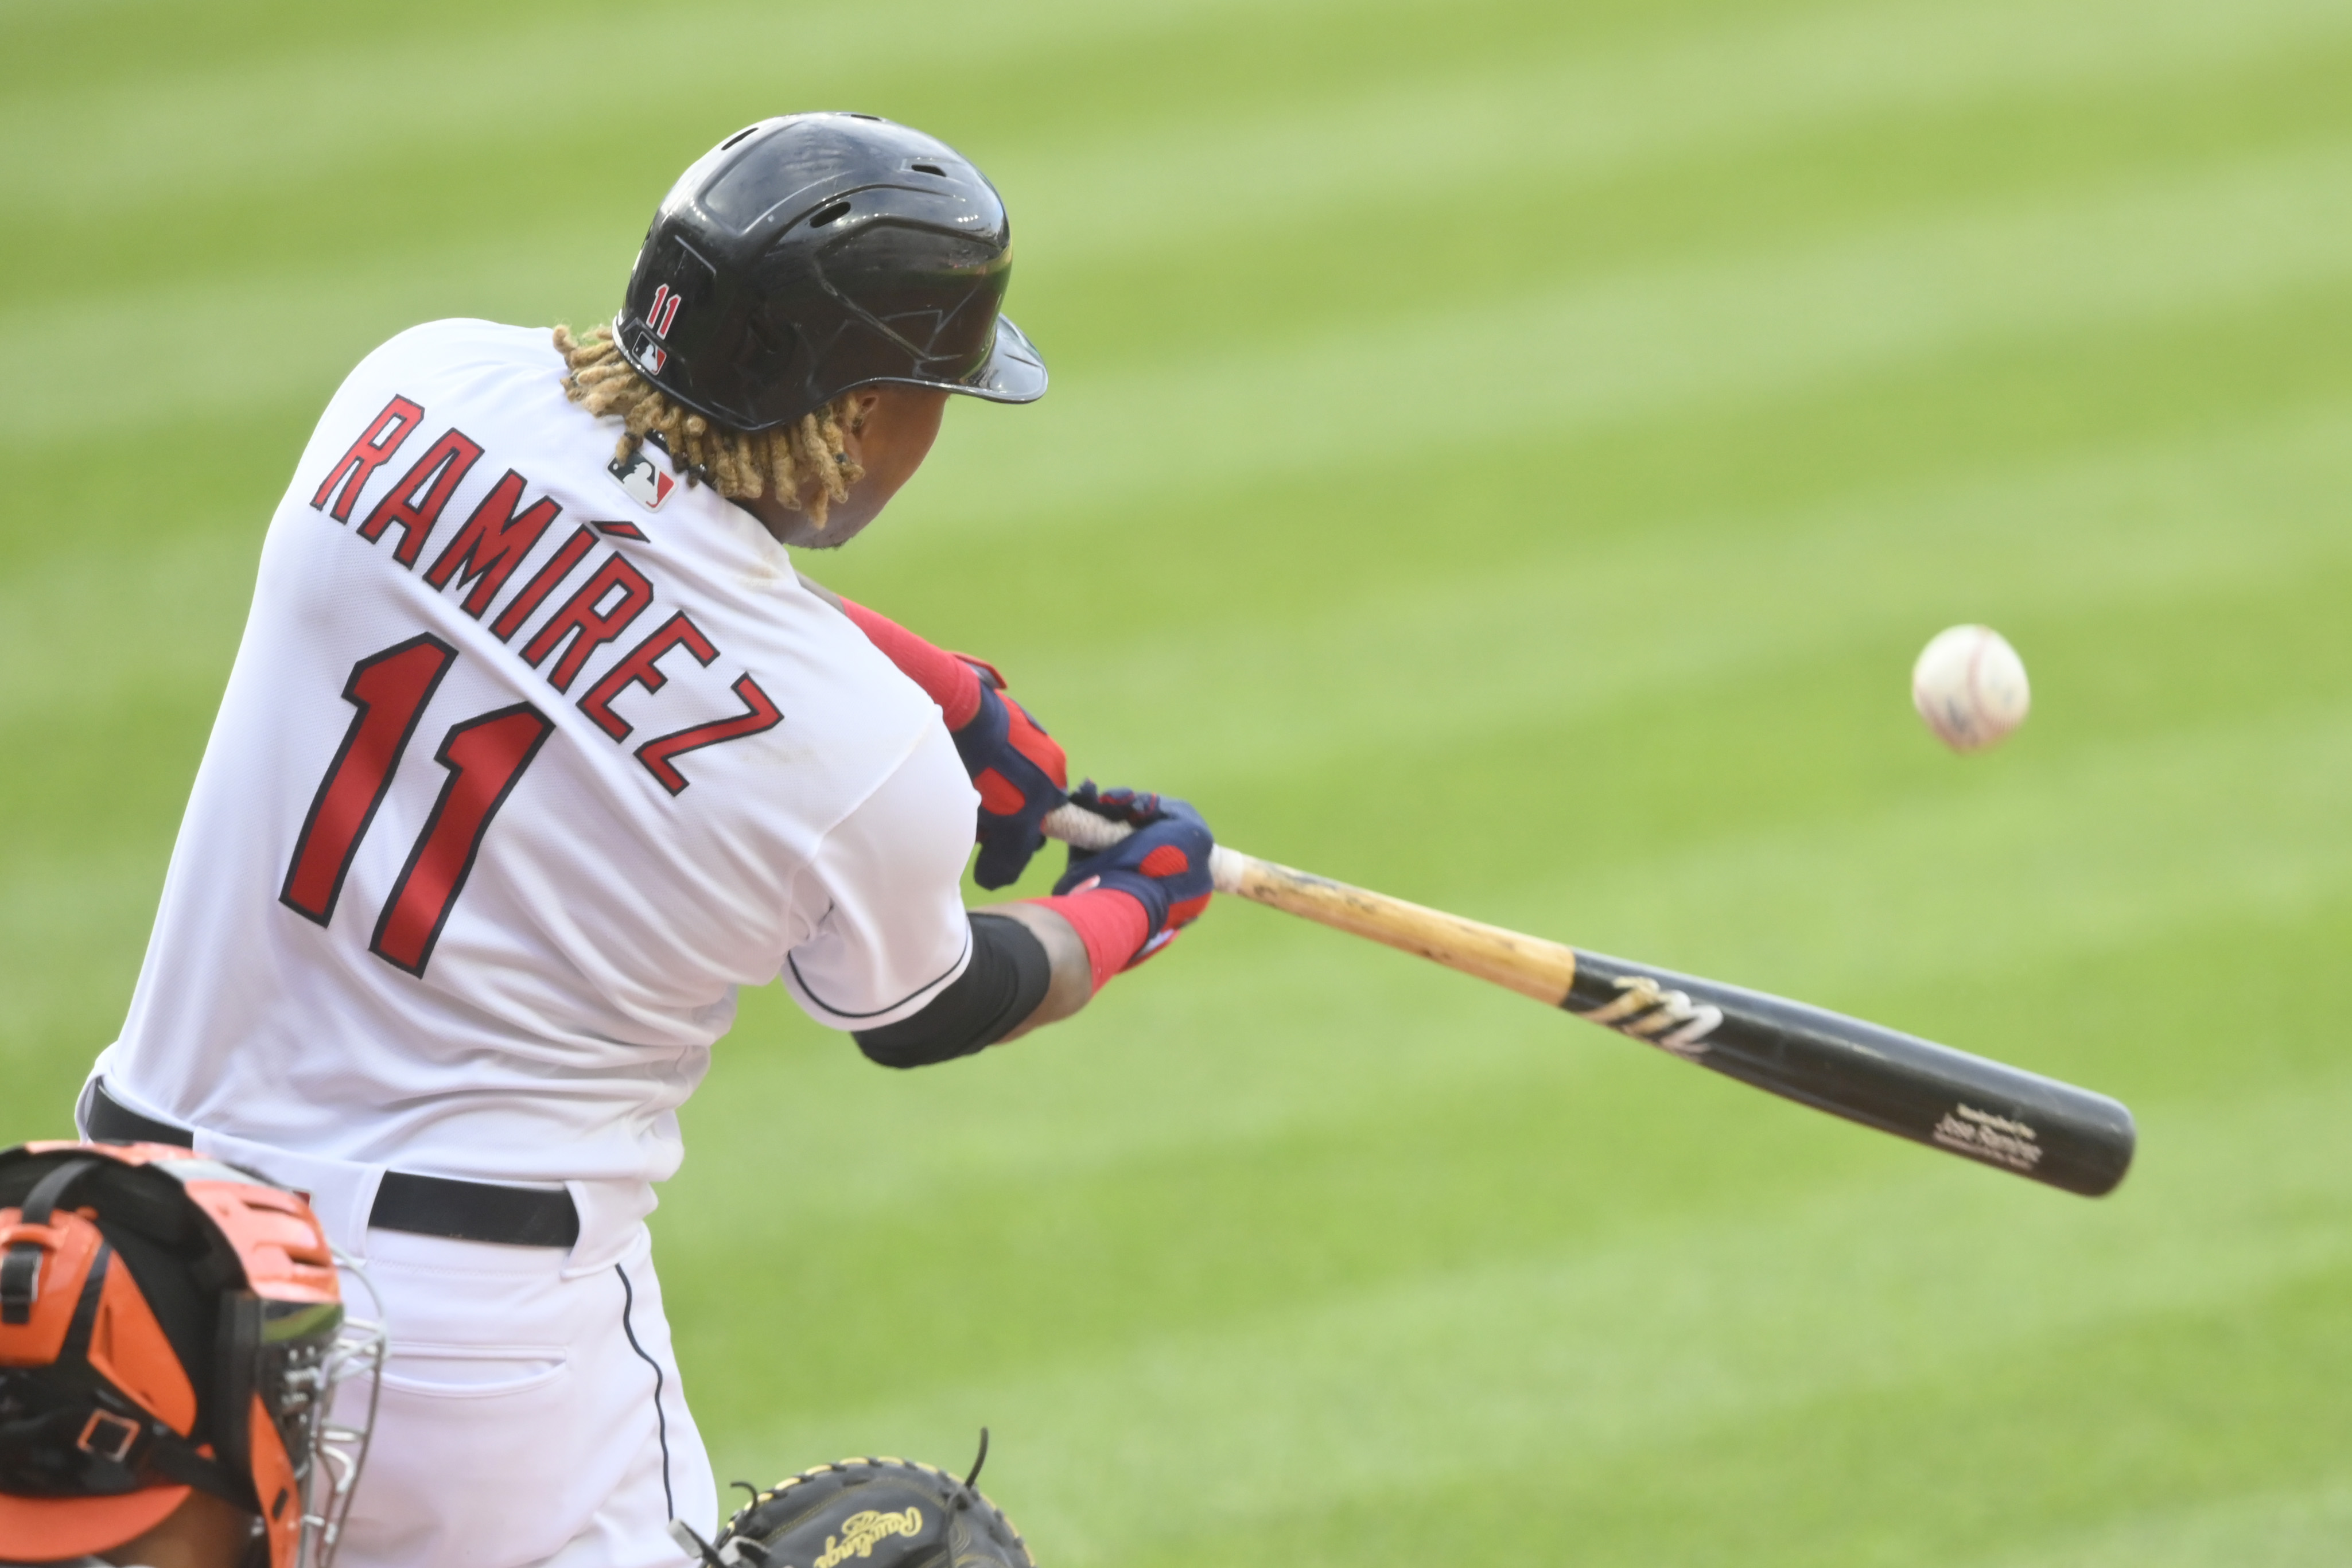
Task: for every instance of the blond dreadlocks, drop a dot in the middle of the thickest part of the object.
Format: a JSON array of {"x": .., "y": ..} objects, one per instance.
[{"x": 808, "y": 455}]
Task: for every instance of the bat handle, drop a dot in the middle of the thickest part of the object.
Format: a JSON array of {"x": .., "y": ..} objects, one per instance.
[
  {"x": 1081, "y": 829},
  {"x": 1527, "y": 965}
]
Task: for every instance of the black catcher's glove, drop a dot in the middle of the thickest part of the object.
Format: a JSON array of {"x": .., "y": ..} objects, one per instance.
[{"x": 872, "y": 1514}]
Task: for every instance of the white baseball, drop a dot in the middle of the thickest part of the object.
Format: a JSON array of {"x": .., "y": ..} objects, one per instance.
[{"x": 1969, "y": 685}]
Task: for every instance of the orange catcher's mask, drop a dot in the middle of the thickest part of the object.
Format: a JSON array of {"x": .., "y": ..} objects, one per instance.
[{"x": 169, "y": 1323}]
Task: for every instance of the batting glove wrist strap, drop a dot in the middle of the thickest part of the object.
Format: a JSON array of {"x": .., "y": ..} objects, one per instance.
[{"x": 1111, "y": 922}]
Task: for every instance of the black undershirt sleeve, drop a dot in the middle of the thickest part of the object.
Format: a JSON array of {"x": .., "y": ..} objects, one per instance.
[{"x": 1007, "y": 978}]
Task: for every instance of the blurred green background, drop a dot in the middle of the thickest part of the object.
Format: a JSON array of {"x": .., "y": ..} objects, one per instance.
[{"x": 1503, "y": 453}]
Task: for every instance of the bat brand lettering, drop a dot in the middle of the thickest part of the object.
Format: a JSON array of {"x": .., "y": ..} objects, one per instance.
[
  {"x": 861, "y": 1532},
  {"x": 1997, "y": 1123},
  {"x": 1990, "y": 1137},
  {"x": 1667, "y": 1020}
]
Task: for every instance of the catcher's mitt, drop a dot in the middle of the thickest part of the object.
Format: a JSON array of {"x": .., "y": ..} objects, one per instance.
[{"x": 872, "y": 1514}]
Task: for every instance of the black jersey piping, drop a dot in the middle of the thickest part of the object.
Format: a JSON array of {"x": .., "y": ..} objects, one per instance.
[
  {"x": 661, "y": 1420},
  {"x": 950, "y": 974}
]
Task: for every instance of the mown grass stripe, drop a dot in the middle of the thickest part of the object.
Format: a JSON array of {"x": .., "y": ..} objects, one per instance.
[
  {"x": 1514, "y": 123},
  {"x": 2302, "y": 1527},
  {"x": 1669, "y": 339},
  {"x": 1590, "y": 625},
  {"x": 1629, "y": 1346}
]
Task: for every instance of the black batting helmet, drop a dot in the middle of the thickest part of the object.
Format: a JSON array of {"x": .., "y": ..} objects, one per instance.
[{"x": 813, "y": 254}]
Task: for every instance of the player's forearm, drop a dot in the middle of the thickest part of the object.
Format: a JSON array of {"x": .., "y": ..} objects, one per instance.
[
  {"x": 1106, "y": 919},
  {"x": 1073, "y": 985},
  {"x": 1018, "y": 769},
  {"x": 948, "y": 679},
  {"x": 1029, "y": 964}
]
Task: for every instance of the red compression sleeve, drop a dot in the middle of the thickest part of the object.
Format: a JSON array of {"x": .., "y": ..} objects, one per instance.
[
  {"x": 945, "y": 679},
  {"x": 1110, "y": 923}
]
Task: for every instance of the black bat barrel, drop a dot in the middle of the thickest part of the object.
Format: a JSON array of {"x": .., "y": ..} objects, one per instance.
[{"x": 2016, "y": 1120}]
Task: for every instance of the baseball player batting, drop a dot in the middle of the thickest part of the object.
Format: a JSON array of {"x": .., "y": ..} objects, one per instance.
[{"x": 536, "y": 748}]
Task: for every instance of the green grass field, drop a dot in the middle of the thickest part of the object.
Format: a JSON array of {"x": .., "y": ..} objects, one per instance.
[{"x": 1506, "y": 454}]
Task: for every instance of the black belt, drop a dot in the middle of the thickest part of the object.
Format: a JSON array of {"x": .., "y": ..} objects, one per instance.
[{"x": 421, "y": 1205}]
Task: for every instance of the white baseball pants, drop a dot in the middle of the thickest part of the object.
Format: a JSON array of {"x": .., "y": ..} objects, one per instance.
[{"x": 530, "y": 1416}]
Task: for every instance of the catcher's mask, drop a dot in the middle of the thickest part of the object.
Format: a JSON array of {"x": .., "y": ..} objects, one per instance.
[
  {"x": 868, "y": 1513},
  {"x": 811, "y": 254},
  {"x": 169, "y": 1323}
]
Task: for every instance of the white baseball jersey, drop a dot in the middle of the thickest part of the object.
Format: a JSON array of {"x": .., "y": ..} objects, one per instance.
[{"x": 526, "y": 764}]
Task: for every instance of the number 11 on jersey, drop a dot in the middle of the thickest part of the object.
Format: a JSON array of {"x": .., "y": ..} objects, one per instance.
[{"x": 485, "y": 756}]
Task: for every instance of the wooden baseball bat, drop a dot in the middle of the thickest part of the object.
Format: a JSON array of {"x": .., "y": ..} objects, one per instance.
[{"x": 1999, "y": 1116}]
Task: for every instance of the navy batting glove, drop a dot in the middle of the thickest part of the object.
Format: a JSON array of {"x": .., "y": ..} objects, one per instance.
[
  {"x": 1163, "y": 864},
  {"x": 1021, "y": 775}
]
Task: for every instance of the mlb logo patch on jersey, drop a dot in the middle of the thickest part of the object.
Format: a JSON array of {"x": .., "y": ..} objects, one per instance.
[{"x": 639, "y": 474}]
